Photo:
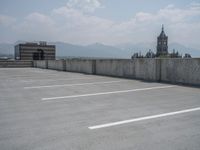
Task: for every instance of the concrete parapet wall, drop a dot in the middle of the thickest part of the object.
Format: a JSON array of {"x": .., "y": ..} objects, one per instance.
[
  {"x": 185, "y": 71},
  {"x": 15, "y": 64},
  {"x": 80, "y": 65},
  {"x": 40, "y": 64},
  {"x": 56, "y": 64},
  {"x": 144, "y": 69},
  {"x": 114, "y": 67}
]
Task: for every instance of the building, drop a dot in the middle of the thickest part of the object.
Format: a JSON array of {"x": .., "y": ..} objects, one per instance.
[
  {"x": 187, "y": 56},
  {"x": 35, "y": 51},
  {"x": 175, "y": 54},
  {"x": 162, "y": 44},
  {"x": 162, "y": 49},
  {"x": 150, "y": 54}
]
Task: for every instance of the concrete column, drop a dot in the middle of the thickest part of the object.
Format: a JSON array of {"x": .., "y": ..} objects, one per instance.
[
  {"x": 46, "y": 64},
  {"x": 64, "y": 65},
  {"x": 93, "y": 66}
]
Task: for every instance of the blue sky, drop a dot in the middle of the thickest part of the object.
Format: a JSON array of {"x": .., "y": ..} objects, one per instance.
[{"x": 105, "y": 21}]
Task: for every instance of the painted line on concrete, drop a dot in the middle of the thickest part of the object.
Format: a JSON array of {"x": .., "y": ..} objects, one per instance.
[
  {"x": 106, "y": 93},
  {"x": 23, "y": 78},
  {"x": 14, "y": 77},
  {"x": 77, "y": 84},
  {"x": 69, "y": 79},
  {"x": 143, "y": 118}
]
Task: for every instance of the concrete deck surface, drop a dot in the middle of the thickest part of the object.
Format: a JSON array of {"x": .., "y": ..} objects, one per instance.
[{"x": 46, "y": 109}]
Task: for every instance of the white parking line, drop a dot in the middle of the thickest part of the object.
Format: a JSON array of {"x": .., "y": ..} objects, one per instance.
[
  {"x": 143, "y": 118},
  {"x": 106, "y": 93},
  {"x": 14, "y": 77},
  {"x": 77, "y": 84},
  {"x": 69, "y": 79}
]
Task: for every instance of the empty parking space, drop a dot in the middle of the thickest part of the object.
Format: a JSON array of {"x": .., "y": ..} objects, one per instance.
[{"x": 48, "y": 109}]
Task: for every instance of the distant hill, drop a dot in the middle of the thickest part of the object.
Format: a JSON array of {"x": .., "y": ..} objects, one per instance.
[
  {"x": 103, "y": 51},
  {"x": 93, "y": 50},
  {"x": 183, "y": 49}
]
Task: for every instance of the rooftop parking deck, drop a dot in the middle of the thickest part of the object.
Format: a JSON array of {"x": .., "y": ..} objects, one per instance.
[{"x": 46, "y": 109}]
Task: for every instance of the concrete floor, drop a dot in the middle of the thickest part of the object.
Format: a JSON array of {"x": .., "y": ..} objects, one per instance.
[{"x": 46, "y": 109}]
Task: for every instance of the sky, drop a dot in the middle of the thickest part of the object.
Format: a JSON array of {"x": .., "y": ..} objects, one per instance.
[{"x": 109, "y": 22}]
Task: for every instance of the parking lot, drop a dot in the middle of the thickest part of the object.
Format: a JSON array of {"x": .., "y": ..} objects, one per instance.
[{"x": 46, "y": 109}]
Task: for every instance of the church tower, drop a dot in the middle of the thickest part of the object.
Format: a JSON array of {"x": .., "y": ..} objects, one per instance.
[{"x": 162, "y": 43}]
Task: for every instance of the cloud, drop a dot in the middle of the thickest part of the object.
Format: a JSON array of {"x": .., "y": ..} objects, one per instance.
[
  {"x": 182, "y": 25},
  {"x": 195, "y": 5},
  {"x": 6, "y": 20},
  {"x": 169, "y": 14},
  {"x": 143, "y": 17},
  {"x": 70, "y": 24},
  {"x": 39, "y": 18},
  {"x": 173, "y": 14},
  {"x": 36, "y": 26},
  {"x": 80, "y": 26},
  {"x": 84, "y": 5},
  {"x": 75, "y": 18}
]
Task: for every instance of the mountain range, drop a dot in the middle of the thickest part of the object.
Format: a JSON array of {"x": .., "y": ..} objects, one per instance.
[{"x": 103, "y": 51}]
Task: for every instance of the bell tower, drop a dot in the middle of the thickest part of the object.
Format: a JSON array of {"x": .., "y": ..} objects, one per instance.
[{"x": 162, "y": 43}]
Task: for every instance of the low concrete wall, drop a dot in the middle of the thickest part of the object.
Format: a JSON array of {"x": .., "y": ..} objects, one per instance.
[
  {"x": 81, "y": 65},
  {"x": 144, "y": 69},
  {"x": 15, "y": 64},
  {"x": 57, "y": 65},
  {"x": 185, "y": 71},
  {"x": 40, "y": 64},
  {"x": 112, "y": 67}
]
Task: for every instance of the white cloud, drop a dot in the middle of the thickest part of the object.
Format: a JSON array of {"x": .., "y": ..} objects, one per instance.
[
  {"x": 69, "y": 24},
  {"x": 181, "y": 25},
  {"x": 80, "y": 26},
  {"x": 39, "y": 18},
  {"x": 143, "y": 17},
  {"x": 195, "y": 5},
  {"x": 173, "y": 14},
  {"x": 79, "y": 19},
  {"x": 84, "y": 5},
  {"x": 6, "y": 20},
  {"x": 36, "y": 26}
]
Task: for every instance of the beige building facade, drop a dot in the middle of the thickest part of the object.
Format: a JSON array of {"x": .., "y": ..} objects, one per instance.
[{"x": 35, "y": 51}]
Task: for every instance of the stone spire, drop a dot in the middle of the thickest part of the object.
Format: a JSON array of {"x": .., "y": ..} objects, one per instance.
[{"x": 162, "y": 43}]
